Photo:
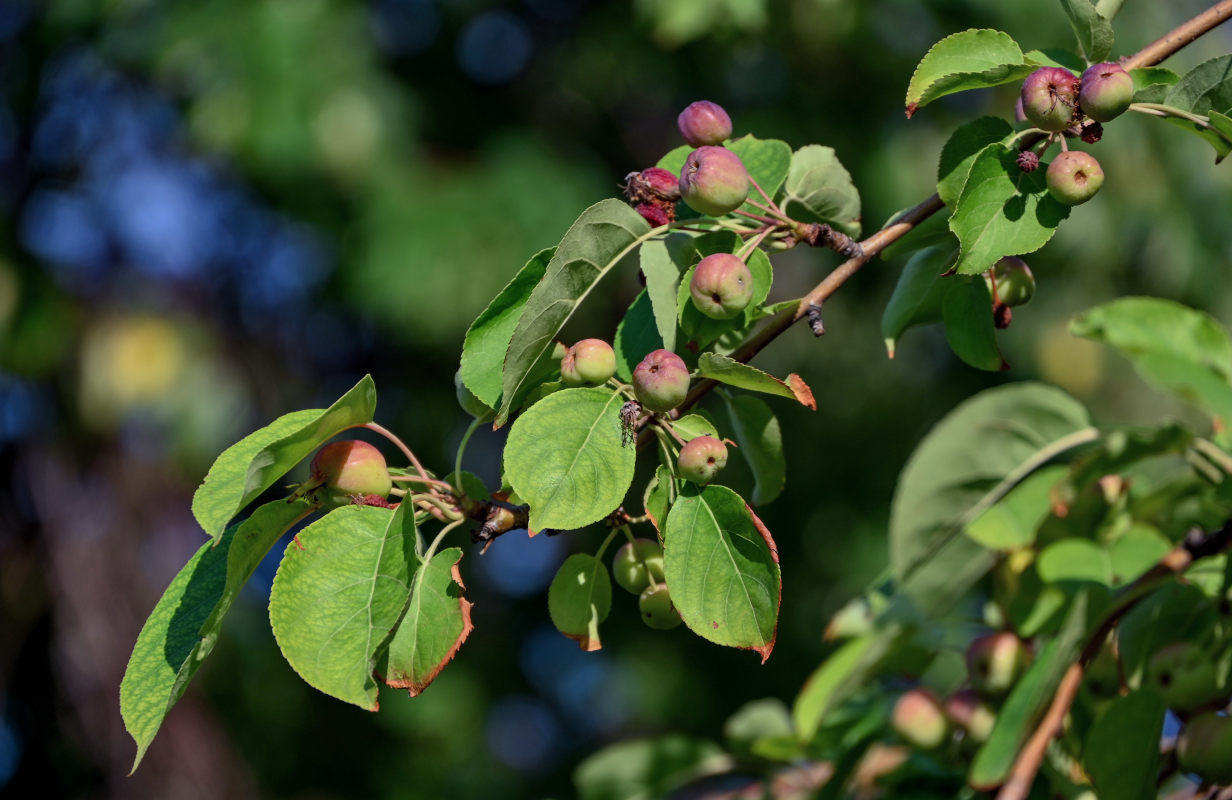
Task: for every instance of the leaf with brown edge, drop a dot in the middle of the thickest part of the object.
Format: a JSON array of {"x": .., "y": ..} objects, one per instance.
[
  {"x": 731, "y": 372},
  {"x": 436, "y": 623},
  {"x": 802, "y": 391},
  {"x": 580, "y": 598}
]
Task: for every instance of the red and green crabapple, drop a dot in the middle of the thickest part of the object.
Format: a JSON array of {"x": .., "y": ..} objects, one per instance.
[
  {"x": 349, "y": 469},
  {"x": 655, "y": 605},
  {"x": 1105, "y": 91},
  {"x": 918, "y": 718},
  {"x": 713, "y": 181},
  {"x": 590, "y": 362},
  {"x": 638, "y": 564},
  {"x": 704, "y": 123},
  {"x": 721, "y": 286},
  {"x": 661, "y": 380},
  {"x": 1048, "y": 98},
  {"x": 1014, "y": 284},
  {"x": 701, "y": 459},
  {"x": 995, "y": 661},
  {"x": 1074, "y": 177},
  {"x": 966, "y": 710}
]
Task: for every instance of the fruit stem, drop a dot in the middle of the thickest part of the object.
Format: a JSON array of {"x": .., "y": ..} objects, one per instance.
[
  {"x": 611, "y": 535},
  {"x": 758, "y": 217},
  {"x": 754, "y": 243},
  {"x": 667, "y": 426},
  {"x": 1158, "y": 110},
  {"x": 769, "y": 200},
  {"x": 447, "y": 512},
  {"x": 457, "y": 460},
  {"x": 440, "y": 535},
  {"x": 406, "y": 451}
]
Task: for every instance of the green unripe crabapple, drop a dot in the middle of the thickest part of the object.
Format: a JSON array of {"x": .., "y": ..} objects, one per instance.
[
  {"x": 589, "y": 362},
  {"x": 638, "y": 564},
  {"x": 655, "y": 605},
  {"x": 1105, "y": 92},
  {"x": 713, "y": 181},
  {"x": 918, "y": 718},
  {"x": 1205, "y": 747},
  {"x": 661, "y": 380},
  {"x": 467, "y": 400},
  {"x": 721, "y": 286},
  {"x": 1185, "y": 676},
  {"x": 1074, "y": 177},
  {"x": 1012, "y": 281},
  {"x": 1048, "y": 98},
  {"x": 704, "y": 123},
  {"x": 995, "y": 662},
  {"x": 701, "y": 459},
  {"x": 349, "y": 469}
]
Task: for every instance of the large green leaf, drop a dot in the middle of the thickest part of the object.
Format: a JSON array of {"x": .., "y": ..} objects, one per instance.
[
  {"x": 822, "y": 187},
  {"x": 599, "y": 240},
  {"x": 662, "y": 266},
  {"x": 338, "y": 594},
  {"x": 647, "y": 769},
  {"x": 637, "y": 335},
  {"x": 579, "y": 598},
  {"x": 1173, "y": 347},
  {"x": 837, "y": 677},
  {"x": 1012, "y": 522},
  {"x": 252, "y": 465},
  {"x": 183, "y": 627},
  {"x": 960, "y": 151},
  {"x": 728, "y": 370},
  {"x": 1002, "y": 211},
  {"x": 1094, "y": 33},
  {"x": 483, "y": 350},
  {"x": 1152, "y": 84},
  {"x": 973, "y": 59},
  {"x": 973, "y": 458},
  {"x": 917, "y": 295},
  {"x": 722, "y": 569},
  {"x": 967, "y": 312},
  {"x": 565, "y": 457},
  {"x": 760, "y": 443},
  {"x": 1122, "y": 747},
  {"x": 1205, "y": 88},
  {"x": 436, "y": 623}
]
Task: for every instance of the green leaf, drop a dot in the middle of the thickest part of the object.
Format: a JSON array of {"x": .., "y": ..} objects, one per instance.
[
  {"x": 1012, "y": 523},
  {"x": 690, "y": 426},
  {"x": 722, "y": 569},
  {"x": 1074, "y": 560},
  {"x": 961, "y": 150},
  {"x": 932, "y": 232},
  {"x": 759, "y": 441},
  {"x": 1056, "y": 57},
  {"x": 636, "y": 335},
  {"x": 253, "y": 464},
  {"x": 657, "y": 497},
  {"x": 1094, "y": 33},
  {"x": 599, "y": 240},
  {"x": 767, "y": 162},
  {"x": 728, "y": 370},
  {"x": 835, "y": 679},
  {"x": 1151, "y": 84},
  {"x": 973, "y": 59},
  {"x": 565, "y": 458},
  {"x": 917, "y": 295},
  {"x": 183, "y": 627},
  {"x": 483, "y": 350},
  {"x": 1002, "y": 211},
  {"x": 662, "y": 266},
  {"x": 436, "y": 623},
  {"x": 763, "y": 729},
  {"x": 579, "y": 598},
  {"x": 339, "y": 592},
  {"x": 1122, "y": 748},
  {"x": 821, "y": 185},
  {"x": 974, "y": 457},
  {"x": 1139, "y": 549},
  {"x": 1215, "y": 130},
  {"x": 1205, "y": 88},
  {"x": 1029, "y": 699},
  {"x": 967, "y": 311},
  {"x": 646, "y": 769},
  {"x": 1173, "y": 347}
]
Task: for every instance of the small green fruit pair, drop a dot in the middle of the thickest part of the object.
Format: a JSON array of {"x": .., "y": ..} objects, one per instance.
[
  {"x": 1205, "y": 747},
  {"x": 638, "y": 569}
]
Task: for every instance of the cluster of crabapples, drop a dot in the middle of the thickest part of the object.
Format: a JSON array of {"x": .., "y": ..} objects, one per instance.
[
  {"x": 1196, "y": 684},
  {"x": 1057, "y": 102}
]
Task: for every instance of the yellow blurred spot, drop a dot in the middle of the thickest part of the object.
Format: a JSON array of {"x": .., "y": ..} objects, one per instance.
[
  {"x": 128, "y": 362},
  {"x": 348, "y": 130},
  {"x": 1074, "y": 364},
  {"x": 9, "y": 293}
]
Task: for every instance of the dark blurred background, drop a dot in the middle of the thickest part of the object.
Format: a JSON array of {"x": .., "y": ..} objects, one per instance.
[{"x": 217, "y": 212}]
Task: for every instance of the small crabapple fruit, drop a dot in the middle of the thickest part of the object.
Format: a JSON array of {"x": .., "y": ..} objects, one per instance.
[
  {"x": 701, "y": 459},
  {"x": 1204, "y": 747},
  {"x": 590, "y": 362},
  {"x": 704, "y": 123},
  {"x": 1105, "y": 91},
  {"x": 655, "y": 605},
  {"x": 638, "y": 564},
  {"x": 349, "y": 469},
  {"x": 1074, "y": 177},
  {"x": 661, "y": 380},
  {"x": 1185, "y": 676},
  {"x": 995, "y": 661},
  {"x": 1049, "y": 96},
  {"x": 1014, "y": 284},
  {"x": 721, "y": 286},
  {"x": 918, "y": 718},
  {"x": 713, "y": 181},
  {"x": 975, "y": 717}
]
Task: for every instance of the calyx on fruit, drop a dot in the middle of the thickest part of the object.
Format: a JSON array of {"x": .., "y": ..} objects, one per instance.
[
  {"x": 661, "y": 380},
  {"x": 918, "y": 718},
  {"x": 1186, "y": 677},
  {"x": 713, "y": 181},
  {"x": 721, "y": 286},
  {"x": 638, "y": 564},
  {"x": 1074, "y": 177},
  {"x": 1049, "y": 96},
  {"x": 344, "y": 470},
  {"x": 1011, "y": 282},
  {"x": 995, "y": 662},
  {"x": 655, "y": 605},
  {"x": 704, "y": 123},
  {"x": 590, "y": 362},
  {"x": 1105, "y": 91},
  {"x": 701, "y": 459}
]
